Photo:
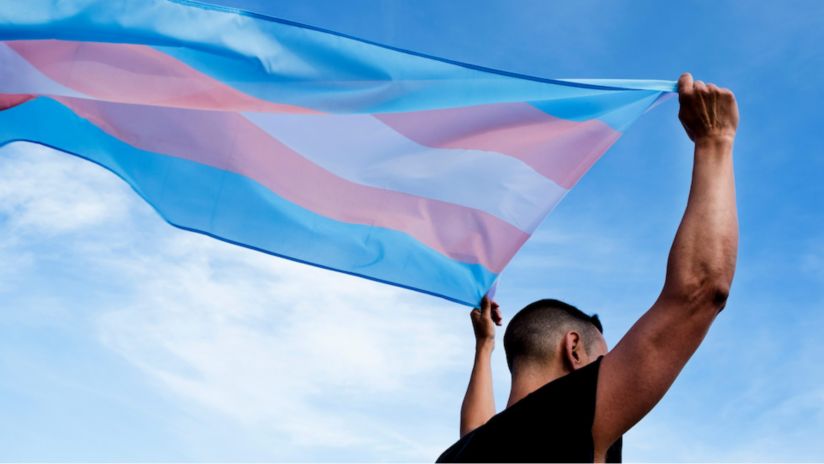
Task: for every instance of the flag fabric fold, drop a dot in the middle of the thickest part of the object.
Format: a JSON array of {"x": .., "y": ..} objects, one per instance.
[{"x": 403, "y": 168}]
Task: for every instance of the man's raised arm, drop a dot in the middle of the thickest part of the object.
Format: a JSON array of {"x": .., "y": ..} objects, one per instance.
[
  {"x": 479, "y": 403},
  {"x": 640, "y": 369}
]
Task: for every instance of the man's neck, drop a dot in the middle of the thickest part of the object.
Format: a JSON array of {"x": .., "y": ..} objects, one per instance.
[{"x": 526, "y": 381}]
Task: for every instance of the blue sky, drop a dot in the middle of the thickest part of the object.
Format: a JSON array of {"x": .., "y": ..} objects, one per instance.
[{"x": 122, "y": 338}]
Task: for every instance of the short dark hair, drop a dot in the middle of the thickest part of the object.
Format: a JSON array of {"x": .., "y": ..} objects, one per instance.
[{"x": 533, "y": 334}]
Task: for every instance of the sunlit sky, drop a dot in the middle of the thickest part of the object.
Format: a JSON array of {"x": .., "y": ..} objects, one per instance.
[{"x": 123, "y": 338}]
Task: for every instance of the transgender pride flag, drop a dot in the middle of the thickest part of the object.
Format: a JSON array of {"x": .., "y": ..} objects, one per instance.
[{"x": 407, "y": 169}]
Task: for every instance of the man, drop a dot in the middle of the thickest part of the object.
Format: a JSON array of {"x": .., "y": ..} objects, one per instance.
[{"x": 571, "y": 399}]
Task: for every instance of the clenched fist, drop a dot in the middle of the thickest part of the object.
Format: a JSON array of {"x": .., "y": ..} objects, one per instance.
[
  {"x": 707, "y": 111},
  {"x": 484, "y": 320}
]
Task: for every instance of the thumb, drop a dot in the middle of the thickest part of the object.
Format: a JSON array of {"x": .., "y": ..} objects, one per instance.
[
  {"x": 486, "y": 308},
  {"x": 685, "y": 84}
]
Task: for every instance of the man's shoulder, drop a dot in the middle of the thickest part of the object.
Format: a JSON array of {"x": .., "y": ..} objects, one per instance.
[{"x": 553, "y": 422}]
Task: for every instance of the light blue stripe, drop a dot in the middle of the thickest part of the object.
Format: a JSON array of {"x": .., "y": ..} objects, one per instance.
[
  {"x": 389, "y": 82},
  {"x": 363, "y": 150},
  {"x": 236, "y": 209},
  {"x": 661, "y": 86},
  {"x": 287, "y": 63},
  {"x": 618, "y": 109}
]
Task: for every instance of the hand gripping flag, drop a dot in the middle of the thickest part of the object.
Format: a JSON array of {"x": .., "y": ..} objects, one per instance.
[{"x": 407, "y": 169}]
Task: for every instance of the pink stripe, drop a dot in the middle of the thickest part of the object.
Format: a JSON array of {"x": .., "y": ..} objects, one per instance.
[
  {"x": 560, "y": 149},
  {"x": 129, "y": 73},
  {"x": 231, "y": 142},
  {"x": 9, "y": 100}
]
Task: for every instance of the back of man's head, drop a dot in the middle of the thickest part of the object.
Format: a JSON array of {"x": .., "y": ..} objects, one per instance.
[{"x": 534, "y": 335}]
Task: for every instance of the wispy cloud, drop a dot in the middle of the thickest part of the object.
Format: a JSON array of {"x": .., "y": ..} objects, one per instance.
[
  {"x": 36, "y": 197},
  {"x": 270, "y": 343},
  {"x": 304, "y": 362}
]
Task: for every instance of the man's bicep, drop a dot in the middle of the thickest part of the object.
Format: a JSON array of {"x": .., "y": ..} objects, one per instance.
[{"x": 637, "y": 373}]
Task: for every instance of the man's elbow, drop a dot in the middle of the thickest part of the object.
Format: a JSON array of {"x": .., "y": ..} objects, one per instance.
[
  {"x": 701, "y": 293},
  {"x": 721, "y": 292}
]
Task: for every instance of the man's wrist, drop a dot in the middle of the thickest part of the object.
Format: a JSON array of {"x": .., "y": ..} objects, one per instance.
[
  {"x": 715, "y": 142},
  {"x": 484, "y": 345}
]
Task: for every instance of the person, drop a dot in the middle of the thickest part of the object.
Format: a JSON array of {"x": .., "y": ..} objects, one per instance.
[{"x": 571, "y": 398}]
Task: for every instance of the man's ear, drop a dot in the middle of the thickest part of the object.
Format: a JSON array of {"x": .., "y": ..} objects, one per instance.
[{"x": 575, "y": 356}]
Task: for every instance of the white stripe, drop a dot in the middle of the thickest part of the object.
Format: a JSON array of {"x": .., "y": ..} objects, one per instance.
[
  {"x": 363, "y": 150},
  {"x": 18, "y": 76}
]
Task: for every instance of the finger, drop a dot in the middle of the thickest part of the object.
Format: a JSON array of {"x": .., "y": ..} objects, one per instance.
[
  {"x": 712, "y": 89},
  {"x": 486, "y": 307},
  {"x": 726, "y": 94},
  {"x": 699, "y": 86},
  {"x": 475, "y": 313},
  {"x": 685, "y": 84},
  {"x": 496, "y": 314}
]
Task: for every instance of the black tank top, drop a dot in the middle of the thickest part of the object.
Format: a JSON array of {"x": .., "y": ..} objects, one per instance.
[{"x": 551, "y": 424}]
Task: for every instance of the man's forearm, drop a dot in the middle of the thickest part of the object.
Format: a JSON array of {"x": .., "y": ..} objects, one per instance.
[
  {"x": 702, "y": 259},
  {"x": 479, "y": 403}
]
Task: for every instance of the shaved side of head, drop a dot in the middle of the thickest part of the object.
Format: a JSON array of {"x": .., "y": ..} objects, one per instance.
[{"x": 534, "y": 334}]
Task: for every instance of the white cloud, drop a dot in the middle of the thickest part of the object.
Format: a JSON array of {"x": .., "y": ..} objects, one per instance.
[
  {"x": 54, "y": 197},
  {"x": 43, "y": 196},
  {"x": 297, "y": 358},
  {"x": 279, "y": 348},
  {"x": 260, "y": 339}
]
